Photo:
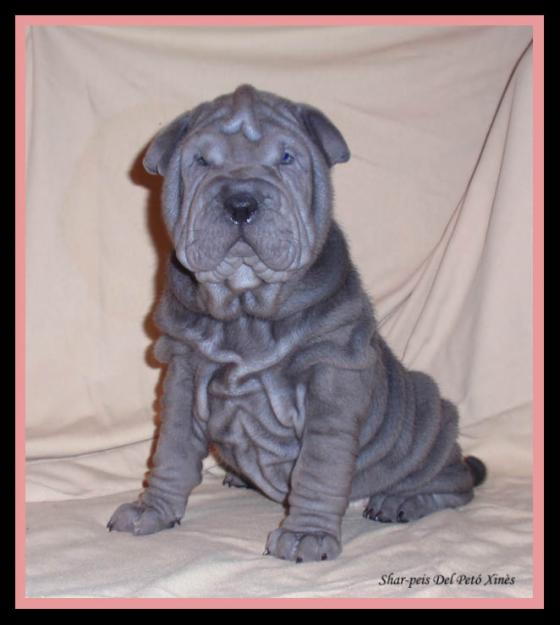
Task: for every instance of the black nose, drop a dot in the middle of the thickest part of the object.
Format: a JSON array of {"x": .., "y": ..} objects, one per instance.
[{"x": 241, "y": 207}]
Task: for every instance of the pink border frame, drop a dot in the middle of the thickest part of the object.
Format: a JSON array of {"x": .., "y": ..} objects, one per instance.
[{"x": 22, "y": 22}]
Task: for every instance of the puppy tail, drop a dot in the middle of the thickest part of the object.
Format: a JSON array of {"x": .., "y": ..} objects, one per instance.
[{"x": 477, "y": 468}]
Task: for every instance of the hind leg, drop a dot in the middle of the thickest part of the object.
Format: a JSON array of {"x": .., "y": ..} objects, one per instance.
[{"x": 451, "y": 488}]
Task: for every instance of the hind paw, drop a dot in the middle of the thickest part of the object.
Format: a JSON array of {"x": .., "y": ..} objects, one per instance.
[
  {"x": 387, "y": 509},
  {"x": 405, "y": 508},
  {"x": 231, "y": 479}
]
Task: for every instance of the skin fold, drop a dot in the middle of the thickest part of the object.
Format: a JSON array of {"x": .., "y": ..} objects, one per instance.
[{"x": 271, "y": 343}]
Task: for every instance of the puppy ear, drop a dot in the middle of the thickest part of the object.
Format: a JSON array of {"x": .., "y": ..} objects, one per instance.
[
  {"x": 325, "y": 134},
  {"x": 164, "y": 143}
]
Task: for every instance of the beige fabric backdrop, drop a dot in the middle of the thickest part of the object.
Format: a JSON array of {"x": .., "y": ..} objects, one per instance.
[{"x": 437, "y": 206}]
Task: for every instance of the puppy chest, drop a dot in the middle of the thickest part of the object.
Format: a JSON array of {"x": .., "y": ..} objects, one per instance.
[{"x": 256, "y": 421}]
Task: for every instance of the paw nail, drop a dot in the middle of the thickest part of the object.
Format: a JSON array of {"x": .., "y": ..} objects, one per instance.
[{"x": 266, "y": 552}]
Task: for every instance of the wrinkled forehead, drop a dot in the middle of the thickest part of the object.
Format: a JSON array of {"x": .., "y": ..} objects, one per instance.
[
  {"x": 241, "y": 113},
  {"x": 246, "y": 120},
  {"x": 213, "y": 143}
]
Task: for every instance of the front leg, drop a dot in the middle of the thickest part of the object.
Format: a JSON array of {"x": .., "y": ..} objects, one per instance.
[
  {"x": 336, "y": 404},
  {"x": 178, "y": 459}
]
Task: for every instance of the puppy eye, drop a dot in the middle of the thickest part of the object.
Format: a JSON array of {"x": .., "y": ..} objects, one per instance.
[
  {"x": 287, "y": 158},
  {"x": 200, "y": 160}
]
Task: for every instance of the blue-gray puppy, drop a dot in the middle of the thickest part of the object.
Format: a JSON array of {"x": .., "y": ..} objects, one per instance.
[{"x": 271, "y": 343}]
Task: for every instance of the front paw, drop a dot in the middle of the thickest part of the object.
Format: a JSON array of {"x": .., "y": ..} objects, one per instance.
[
  {"x": 139, "y": 519},
  {"x": 302, "y": 546}
]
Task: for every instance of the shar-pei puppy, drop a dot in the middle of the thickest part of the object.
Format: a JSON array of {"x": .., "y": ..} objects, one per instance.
[{"x": 270, "y": 341}]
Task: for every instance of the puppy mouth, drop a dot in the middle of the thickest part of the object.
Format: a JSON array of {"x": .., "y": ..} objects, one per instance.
[
  {"x": 241, "y": 249},
  {"x": 242, "y": 269}
]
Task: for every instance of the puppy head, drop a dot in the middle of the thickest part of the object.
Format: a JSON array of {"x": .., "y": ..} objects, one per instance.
[{"x": 247, "y": 194}]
